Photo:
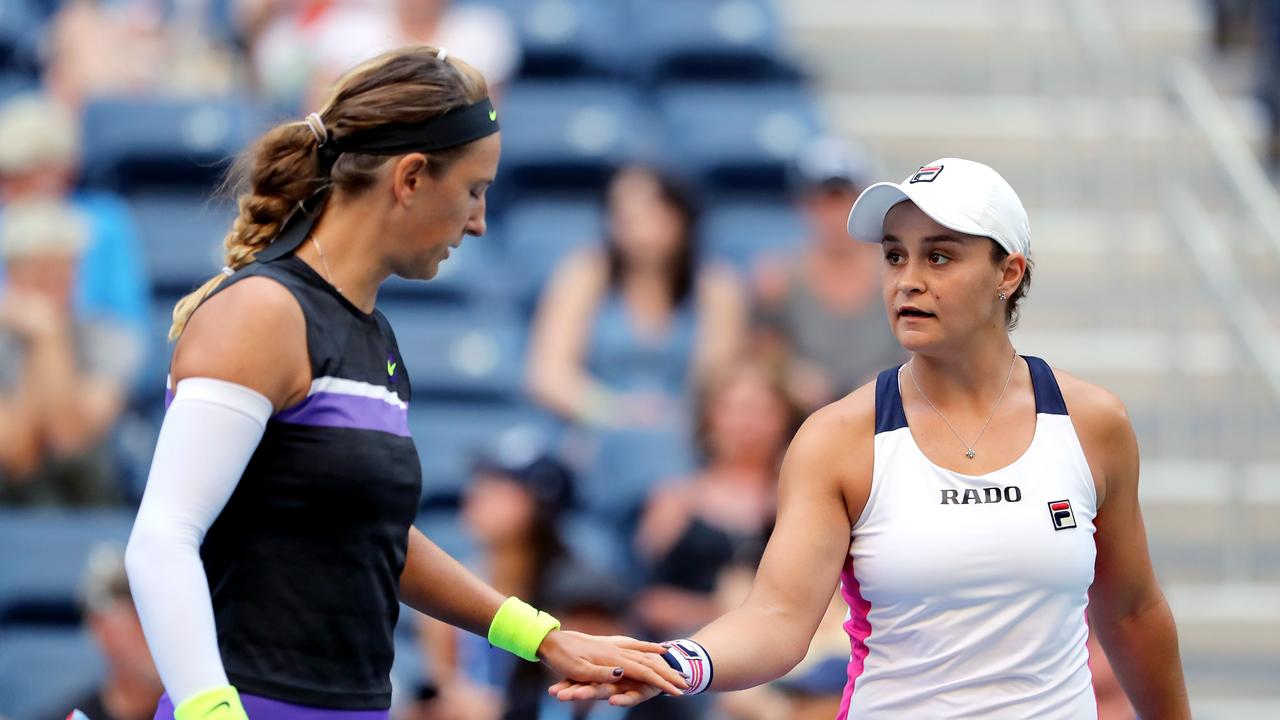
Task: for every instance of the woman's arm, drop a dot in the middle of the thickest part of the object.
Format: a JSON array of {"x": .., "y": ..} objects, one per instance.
[
  {"x": 561, "y": 328},
  {"x": 435, "y": 584},
  {"x": 722, "y": 321},
  {"x": 242, "y": 355},
  {"x": 1128, "y": 611},
  {"x": 825, "y": 479}
]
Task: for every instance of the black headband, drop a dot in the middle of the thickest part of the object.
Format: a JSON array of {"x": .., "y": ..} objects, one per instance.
[{"x": 456, "y": 127}]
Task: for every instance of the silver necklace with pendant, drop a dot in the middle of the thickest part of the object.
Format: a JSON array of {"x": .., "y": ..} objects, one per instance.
[{"x": 969, "y": 447}]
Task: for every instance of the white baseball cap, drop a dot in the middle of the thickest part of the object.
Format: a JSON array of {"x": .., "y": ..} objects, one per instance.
[{"x": 961, "y": 195}]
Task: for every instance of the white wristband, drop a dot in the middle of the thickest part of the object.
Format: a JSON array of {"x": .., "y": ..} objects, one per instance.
[{"x": 692, "y": 661}]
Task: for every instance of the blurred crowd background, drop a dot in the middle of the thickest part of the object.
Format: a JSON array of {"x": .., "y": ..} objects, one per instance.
[{"x": 605, "y": 382}]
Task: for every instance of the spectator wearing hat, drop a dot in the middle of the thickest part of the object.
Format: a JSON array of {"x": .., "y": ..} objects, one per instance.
[
  {"x": 131, "y": 686},
  {"x": 819, "y": 315},
  {"x": 62, "y": 380},
  {"x": 39, "y": 160},
  {"x": 513, "y": 510}
]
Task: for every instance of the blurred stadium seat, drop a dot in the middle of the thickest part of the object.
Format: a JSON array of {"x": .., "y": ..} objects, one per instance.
[
  {"x": 739, "y": 233},
  {"x": 680, "y": 40},
  {"x": 21, "y": 30},
  {"x": 564, "y": 38},
  {"x": 568, "y": 136},
  {"x": 476, "y": 272},
  {"x": 540, "y": 234},
  {"x": 40, "y": 667},
  {"x": 182, "y": 237},
  {"x": 451, "y": 435},
  {"x": 459, "y": 353},
  {"x": 42, "y": 555},
  {"x": 134, "y": 143},
  {"x": 737, "y": 138}
]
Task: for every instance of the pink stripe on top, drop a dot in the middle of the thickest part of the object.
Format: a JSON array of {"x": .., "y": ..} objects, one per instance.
[{"x": 858, "y": 626}]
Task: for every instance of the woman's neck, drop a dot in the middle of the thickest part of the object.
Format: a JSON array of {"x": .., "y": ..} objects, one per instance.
[
  {"x": 343, "y": 249},
  {"x": 971, "y": 377}
]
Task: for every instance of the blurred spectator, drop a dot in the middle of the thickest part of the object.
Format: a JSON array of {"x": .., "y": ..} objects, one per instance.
[
  {"x": 692, "y": 531},
  {"x": 512, "y": 509},
  {"x": 97, "y": 48},
  {"x": 625, "y": 332},
  {"x": 132, "y": 686},
  {"x": 299, "y": 47},
  {"x": 62, "y": 380},
  {"x": 39, "y": 158},
  {"x": 820, "y": 315}
]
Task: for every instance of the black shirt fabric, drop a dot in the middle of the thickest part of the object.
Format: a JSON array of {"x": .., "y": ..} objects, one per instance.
[{"x": 304, "y": 561}]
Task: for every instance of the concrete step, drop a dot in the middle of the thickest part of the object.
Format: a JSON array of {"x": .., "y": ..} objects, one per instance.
[
  {"x": 982, "y": 45},
  {"x": 1056, "y": 151}
]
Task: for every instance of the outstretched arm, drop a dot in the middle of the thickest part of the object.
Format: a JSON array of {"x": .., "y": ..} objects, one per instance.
[
  {"x": 438, "y": 585},
  {"x": 1128, "y": 611},
  {"x": 770, "y": 633}
]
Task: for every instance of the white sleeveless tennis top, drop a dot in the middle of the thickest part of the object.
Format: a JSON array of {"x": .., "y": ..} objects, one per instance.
[{"x": 967, "y": 594}]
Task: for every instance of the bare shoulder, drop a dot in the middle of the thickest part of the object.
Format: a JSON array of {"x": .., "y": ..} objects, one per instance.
[
  {"x": 1093, "y": 408},
  {"x": 720, "y": 279},
  {"x": 584, "y": 266},
  {"x": 253, "y": 334},
  {"x": 835, "y": 445}
]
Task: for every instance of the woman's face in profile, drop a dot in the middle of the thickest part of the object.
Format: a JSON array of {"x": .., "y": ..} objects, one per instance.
[{"x": 647, "y": 228}]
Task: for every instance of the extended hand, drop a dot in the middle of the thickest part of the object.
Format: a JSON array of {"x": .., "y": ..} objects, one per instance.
[
  {"x": 587, "y": 660},
  {"x": 622, "y": 693}
]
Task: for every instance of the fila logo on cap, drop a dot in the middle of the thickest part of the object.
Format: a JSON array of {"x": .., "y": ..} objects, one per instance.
[
  {"x": 1060, "y": 512},
  {"x": 926, "y": 174}
]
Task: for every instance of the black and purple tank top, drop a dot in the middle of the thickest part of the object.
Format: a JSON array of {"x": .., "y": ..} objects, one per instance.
[{"x": 304, "y": 562}]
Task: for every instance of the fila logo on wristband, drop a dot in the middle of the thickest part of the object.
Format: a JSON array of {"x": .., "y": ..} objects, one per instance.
[{"x": 692, "y": 661}]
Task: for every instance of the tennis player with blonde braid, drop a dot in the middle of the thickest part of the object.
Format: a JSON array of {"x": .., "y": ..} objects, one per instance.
[
  {"x": 973, "y": 503},
  {"x": 274, "y": 542}
]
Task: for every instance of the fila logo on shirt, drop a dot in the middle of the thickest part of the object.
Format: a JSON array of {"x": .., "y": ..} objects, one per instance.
[
  {"x": 988, "y": 495},
  {"x": 1060, "y": 513}
]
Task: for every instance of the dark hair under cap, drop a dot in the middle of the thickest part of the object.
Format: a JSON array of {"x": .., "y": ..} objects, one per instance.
[{"x": 456, "y": 127}]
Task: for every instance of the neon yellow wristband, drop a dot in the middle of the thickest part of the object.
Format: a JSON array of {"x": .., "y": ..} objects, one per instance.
[
  {"x": 519, "y": 628},
  {"x": 219, "y": 703}
]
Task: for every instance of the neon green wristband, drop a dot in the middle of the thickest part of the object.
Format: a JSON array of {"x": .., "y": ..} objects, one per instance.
[
  {"x": 519, "y": 628},
  {"x": 219, "y": 703}
]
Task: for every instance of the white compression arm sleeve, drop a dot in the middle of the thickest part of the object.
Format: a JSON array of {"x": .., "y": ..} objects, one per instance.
[{"x": 209, "y": 433}]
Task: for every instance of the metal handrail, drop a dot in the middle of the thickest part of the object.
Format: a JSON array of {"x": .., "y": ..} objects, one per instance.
[
  {"x": 1191, "y": 88},
  {"x": 1216, "y": 263}
]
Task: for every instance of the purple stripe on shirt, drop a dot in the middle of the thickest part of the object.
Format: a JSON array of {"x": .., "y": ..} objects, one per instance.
[
  {"x": 325, "y": 409},
  {"x": 260, "y": 708},
  {"x": 168, "y": 398}
]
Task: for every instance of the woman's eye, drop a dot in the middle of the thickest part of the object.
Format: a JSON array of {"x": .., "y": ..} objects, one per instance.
[
  {"x": 892, "y": 258},
  {"x": 938, "y": 258}
]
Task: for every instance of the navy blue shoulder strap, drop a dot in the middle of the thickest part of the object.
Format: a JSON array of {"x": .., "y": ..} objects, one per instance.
[
  {"x": 889, "y": 413},
  {"x": 1048, "y": 396}
]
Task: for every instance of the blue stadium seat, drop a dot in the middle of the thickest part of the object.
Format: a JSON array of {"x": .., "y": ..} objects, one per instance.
[
  {"x": 686, "y": 40},
  {"x": 456, "y": 353},
  {"x": 567, "y": 38},
  {"x": 21, "y": 31},
  {"x": 567, "y": 136},
  {"x": 134, "y": 143},
  {"x": 740, "y": 233},
  {"x": 182, "y": 238},
  {"x": 450, "y": 435},
  {"x": 42, "y": 556},
  {"x": 41, "y": 668},
  {"x": 737, "y": 138},
  {"x": 474, "y": 273},
  {"x": 540, "y": 234},
  {"x": 15, "y": 83}
]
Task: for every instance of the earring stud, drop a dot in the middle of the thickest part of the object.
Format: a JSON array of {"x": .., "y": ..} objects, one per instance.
[{"x": 1002, "y": 296}]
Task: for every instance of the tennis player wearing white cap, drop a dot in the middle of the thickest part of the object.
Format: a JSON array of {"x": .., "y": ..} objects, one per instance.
[{"x": 974, "y": 503}]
